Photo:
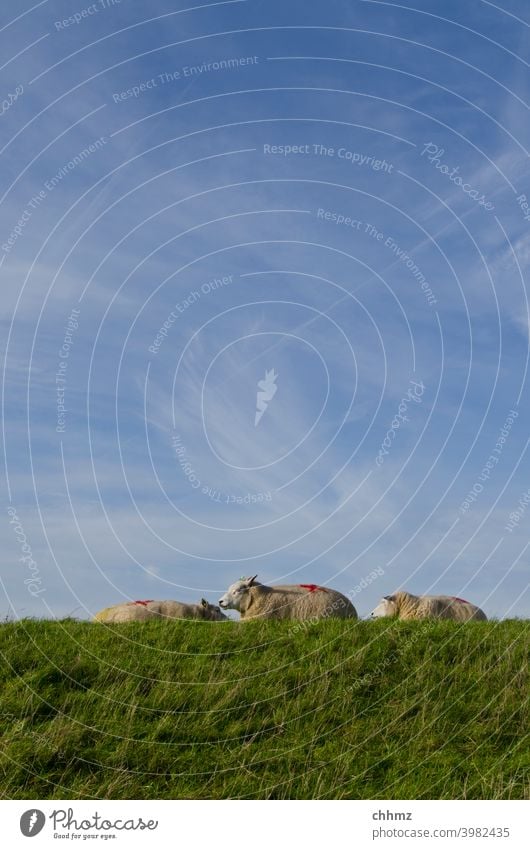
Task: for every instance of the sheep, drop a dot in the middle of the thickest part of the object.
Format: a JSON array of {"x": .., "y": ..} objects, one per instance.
[
  {"x": 404, "y": 605},
  {"x": 289, "y": 601},
  {"x": 140, "y": 611}
]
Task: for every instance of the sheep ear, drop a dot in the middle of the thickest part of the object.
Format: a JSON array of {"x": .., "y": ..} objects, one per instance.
[
  {"x": 204, "y": 602},
  {"x": 250, "y": 581},
  {"x": 388, "y": 597}
]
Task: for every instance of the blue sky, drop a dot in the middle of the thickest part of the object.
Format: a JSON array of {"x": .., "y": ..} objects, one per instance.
[{"x": 193, "y": 197}]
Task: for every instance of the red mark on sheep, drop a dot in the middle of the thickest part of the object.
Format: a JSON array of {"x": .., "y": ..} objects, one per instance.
[
  {"x": 311, "y": 588},
  {"x": 145, "y": 602}
]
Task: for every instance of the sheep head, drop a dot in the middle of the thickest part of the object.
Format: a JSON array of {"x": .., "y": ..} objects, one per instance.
[
  {"x": 236, "y": 592},
  {"x": 386, "y": 607},
  {"x": 211, "y": 611}
]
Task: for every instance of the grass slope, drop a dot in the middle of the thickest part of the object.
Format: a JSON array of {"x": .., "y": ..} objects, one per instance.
[{"x": 333, "y": 710}]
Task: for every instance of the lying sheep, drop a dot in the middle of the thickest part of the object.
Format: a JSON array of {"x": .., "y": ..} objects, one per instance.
[
  {"x": 140, "y": 611},
  {"x": 297, "y": 601},
  {"x": 407, "y": 606}
]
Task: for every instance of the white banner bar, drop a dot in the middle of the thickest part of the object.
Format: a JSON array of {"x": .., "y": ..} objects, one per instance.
[{"x": 265, "y": 824}]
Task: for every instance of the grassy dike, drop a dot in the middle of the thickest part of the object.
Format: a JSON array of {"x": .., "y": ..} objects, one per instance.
[{"x": 333, "y": 710}]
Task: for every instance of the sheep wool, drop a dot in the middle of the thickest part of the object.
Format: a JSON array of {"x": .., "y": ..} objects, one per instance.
[
  {"x": 140, "y": 611},
  {"x": 294, "y": 601},
  {"x": 407, "y": 606}
]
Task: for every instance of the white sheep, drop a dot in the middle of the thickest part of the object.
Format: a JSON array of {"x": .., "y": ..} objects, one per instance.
[
  {"x": 288, "y": 601},
  {"x": 404, "y": 605},
  {"x": 140, "y": 611}
]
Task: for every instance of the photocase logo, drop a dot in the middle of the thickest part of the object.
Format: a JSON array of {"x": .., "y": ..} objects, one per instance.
[
  {"x": 32, "y": 822},
  {"x": 266, "y": 391}
]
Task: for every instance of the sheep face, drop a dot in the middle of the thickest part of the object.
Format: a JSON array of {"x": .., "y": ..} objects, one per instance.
[
  {"x": 211, "y": 611},
  {"x": 386, "y": 607},
  {"x": 235, "y": 593}
]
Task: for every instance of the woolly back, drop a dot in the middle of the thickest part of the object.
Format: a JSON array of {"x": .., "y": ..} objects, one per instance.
[
  {"x": 406, "y": 604},
  {"x": 101, "y": 616}
]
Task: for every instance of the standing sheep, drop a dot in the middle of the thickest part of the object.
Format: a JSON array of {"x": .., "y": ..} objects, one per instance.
[
  {"x": 140, "y": 611},
  {"x": 297, "y": 601},
  {"x": 407, "y": 606}
]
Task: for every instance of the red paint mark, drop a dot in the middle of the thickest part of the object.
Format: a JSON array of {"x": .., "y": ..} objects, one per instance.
[
  {"x": 313, "y": 588},
  {"x": 145, "y": 603},
  {"x": 460, "y": 599}
]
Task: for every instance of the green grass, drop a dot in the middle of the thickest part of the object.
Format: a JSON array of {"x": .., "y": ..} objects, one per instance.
[{"x": 337, "y": 710}]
